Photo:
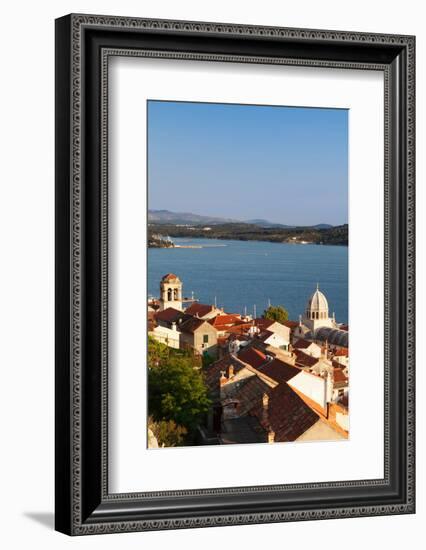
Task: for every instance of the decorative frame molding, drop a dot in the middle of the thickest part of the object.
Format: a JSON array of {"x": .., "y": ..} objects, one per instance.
[{"x": 84, "y": 44}]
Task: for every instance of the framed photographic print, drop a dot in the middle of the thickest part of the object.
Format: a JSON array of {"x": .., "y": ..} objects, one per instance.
[{"x": 231, "y": 202}]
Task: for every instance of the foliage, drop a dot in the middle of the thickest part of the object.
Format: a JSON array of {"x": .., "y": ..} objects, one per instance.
[
  {"x": 159, "y": 352},
  {"x": 337, "y": 235},
  {"x": 177, "y": 391},
  {"x": 167, "y": 432},
  {"x": 276, "y": 313}
]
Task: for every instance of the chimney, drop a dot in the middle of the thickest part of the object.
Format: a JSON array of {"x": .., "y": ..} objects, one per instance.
[
  {"x": 328, "y": 387},
  {"x": 223, "y": 380},
  {"x": 230, "y": 372},
  {"x": 173, "y": 326},
  {"x": 271, "y": 436}
]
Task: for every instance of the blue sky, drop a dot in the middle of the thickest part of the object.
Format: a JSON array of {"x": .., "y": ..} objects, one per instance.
[{"x": 284, "y": 164}]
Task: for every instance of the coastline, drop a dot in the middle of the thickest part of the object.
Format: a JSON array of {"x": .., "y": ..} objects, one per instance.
[{"x": 243, "y": 240}]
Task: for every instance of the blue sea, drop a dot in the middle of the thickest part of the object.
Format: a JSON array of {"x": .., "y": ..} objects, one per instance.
[{"x": 250, "y": 274}]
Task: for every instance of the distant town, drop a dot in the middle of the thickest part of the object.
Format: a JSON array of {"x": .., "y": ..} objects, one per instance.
[{"x": 218, "y": 377}]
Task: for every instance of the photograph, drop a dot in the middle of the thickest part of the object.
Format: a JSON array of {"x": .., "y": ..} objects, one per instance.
[{"x": 247, "y": 287}]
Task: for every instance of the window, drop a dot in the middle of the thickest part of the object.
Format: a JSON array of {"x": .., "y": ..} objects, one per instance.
[{"x": 205, "y": 338}]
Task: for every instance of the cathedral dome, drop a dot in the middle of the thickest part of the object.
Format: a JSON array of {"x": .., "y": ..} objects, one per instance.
[
  {"x": 317, "y": 302},
  {"x": 316, "y": 313}
]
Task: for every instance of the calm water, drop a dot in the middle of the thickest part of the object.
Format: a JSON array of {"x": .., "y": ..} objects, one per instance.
[{"x": 247, "y": 273}]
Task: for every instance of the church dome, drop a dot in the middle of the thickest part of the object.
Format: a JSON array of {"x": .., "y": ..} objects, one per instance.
[
  {"x": 170, "y": 278},
  {"x": 317, "y": 302}
]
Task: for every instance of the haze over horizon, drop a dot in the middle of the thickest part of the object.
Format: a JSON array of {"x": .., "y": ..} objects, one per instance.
[
  {"x": 237, "y": 220},
  {"x": 287, "y": 165}
]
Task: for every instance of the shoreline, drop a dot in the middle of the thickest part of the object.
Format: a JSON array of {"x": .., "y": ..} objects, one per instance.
[{"x": 196, "y": 246}]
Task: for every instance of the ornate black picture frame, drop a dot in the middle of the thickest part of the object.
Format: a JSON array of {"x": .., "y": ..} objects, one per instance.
[{"x": 83, "y": 45}]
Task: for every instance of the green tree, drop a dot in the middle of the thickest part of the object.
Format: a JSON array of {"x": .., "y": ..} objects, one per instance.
[
  {"x": 176, "y": 391},
  {"x": 276, "y": 313},
  {"x": 157, "y": 352},
  {"x": 167, "y": 432}
]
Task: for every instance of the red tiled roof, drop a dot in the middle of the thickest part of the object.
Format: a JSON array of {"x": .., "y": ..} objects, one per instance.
[
  {"x": 290, "y": 324},
  {"x": 341, "y": 352},
  {"x": 225, "y": 320},
  {"x": 250, "y": 393},
  {"x": 169, "y": 315},
  {"x": 239, "y": 329},
  {"x": 302, "y": 344},
  {"x": 199, "y": 309},
  {"x": 304, "y": 360},
  {"x": 191, "y": 325},
  {"x": 288, "y": 415},
  {"x": 263, "y": 323},
  {"x": 339, "y": 376},
  {"x": 279, "y": 371},
  {"x": 213, "y": 372},
  {"x": 252, "y": 356},
  {"x": 265, "y": 335},
  {"x": 169, "y": 277}
]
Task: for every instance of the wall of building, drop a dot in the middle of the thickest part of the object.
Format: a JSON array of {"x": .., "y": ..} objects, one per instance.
[
  {"x": 310, "y": 385},
  {"x": 167, "y": 336},
  {"x": 320, "y": 431}
]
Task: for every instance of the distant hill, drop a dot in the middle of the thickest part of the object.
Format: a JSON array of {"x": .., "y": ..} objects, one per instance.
[
  {"x": 322, "y": 226},
  {"x": 188, "y": 218},
  {"x": 266, "y": 223},
  {"x": 184, "y": 218}
]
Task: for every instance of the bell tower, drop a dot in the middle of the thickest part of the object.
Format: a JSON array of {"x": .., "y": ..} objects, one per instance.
[{"x": 171, "y": 292}]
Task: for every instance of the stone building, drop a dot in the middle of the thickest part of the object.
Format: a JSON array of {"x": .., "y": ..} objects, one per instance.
[
  {"x": 199, "y": 335},
  {"x": 171, "y": 292}
]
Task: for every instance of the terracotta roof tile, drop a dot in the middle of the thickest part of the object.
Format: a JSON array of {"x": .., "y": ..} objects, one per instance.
[
  {"x": 339, "y": 377},
  {"x": 249, "y": 392},
  {"x": 225, "y": 320},
  {"x": 341, "y": 352},
  {"x": 290, "y": 324},
  {"x": 191, "y": 325},
  {"x": 213, "y": 372},
  {"x": 287, "y": 414},
  {"x": 239, "y": 329},
  {"x": 302, "y": 344},
  {"x": 279, "y": 371},
  {"x": 252, "y": 356},
  {"x": 169, "y": 315},
  {"x": 263, "y": 323},
  {"x": 199, "y": 309},
  {"x": 304, "y": 360}
]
